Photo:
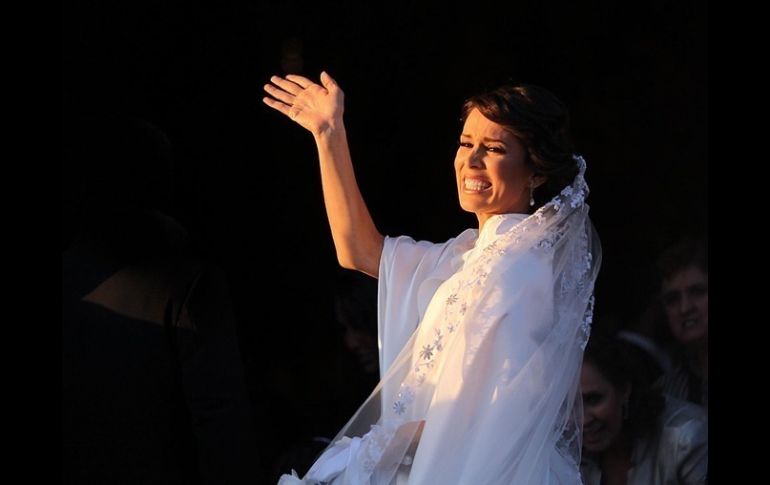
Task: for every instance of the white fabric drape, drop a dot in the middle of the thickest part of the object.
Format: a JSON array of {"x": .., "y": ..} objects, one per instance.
[{"x": 481, "y": 342}]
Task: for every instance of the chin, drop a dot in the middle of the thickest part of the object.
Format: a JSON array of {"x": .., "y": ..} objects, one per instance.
[
  {"x": 596, "y": 447},
  {"x": 689, "y": 338},
  {"x": 468, "y": 206}
]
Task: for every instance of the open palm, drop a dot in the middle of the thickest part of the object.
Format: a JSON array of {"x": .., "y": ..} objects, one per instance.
[{"x": 314, "y": 107}]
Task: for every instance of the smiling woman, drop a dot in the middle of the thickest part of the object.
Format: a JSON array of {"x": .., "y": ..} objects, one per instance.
[
  {"x": 492, "y": 172},
  {"x": 481, "y": 337},
  {"x": 632, "y": 433}
]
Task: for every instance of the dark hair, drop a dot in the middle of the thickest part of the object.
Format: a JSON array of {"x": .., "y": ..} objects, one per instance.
[
  {"x": 541, "y": 123},
  {"x": 687, "y": 251},
  {"x": 618, "y": 362}
]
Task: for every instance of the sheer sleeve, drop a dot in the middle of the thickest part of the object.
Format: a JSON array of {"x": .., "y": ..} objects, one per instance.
[{"x": 409, "y": 275}]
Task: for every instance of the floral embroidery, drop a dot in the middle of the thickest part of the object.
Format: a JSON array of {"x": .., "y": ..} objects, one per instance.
[
  {"x": 437, "y": 343},
  {"x": 399, "y": 407},
  {"x": 426, "y": 352}
]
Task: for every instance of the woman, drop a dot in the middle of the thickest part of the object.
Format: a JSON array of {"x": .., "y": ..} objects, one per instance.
[
  {"x": 634, "y": 435},
  {"x": 481, "y": 336}
]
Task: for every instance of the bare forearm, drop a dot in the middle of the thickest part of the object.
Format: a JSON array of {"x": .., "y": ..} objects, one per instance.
[{"x": 356, "y": 239}]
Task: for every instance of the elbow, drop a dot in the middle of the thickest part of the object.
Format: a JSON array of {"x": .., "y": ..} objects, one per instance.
[
  {"x": 345, "y": 262},
  {"x": 355, "y": 264},
  {"x": 364, "y": 258}
]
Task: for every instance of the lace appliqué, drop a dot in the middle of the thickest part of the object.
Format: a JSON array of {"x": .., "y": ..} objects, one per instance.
[{"x": 585, "y": 326}]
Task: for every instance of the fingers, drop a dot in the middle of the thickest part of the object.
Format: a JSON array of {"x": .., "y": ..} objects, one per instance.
[
  {"x": 279, "y": 94},
  {"x": 287, "y": 86},
  {"x": 302, "y": 81},
  {"x": 277, "y": 105},
  {"x": 327, "y": 80},
  {"x": 290, "y": 111}
]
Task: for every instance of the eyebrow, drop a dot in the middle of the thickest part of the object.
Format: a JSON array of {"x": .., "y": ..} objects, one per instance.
[{"x": 486, "y": 138}]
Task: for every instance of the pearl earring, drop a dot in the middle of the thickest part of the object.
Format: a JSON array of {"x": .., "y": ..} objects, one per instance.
[{"x": 531, "y": 197}]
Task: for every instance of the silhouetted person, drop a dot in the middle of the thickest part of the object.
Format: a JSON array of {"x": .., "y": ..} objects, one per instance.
[{"x": 152, "y": 382}]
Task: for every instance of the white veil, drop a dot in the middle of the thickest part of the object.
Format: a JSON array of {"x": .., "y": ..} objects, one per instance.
[{"x": 488, "y": 384}]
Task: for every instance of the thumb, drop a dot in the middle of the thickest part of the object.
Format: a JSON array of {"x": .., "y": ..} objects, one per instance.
[{"x": 327, "y": 80}]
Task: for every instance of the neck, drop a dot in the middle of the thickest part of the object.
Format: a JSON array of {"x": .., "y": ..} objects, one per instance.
[
  {"x": 616, "y": 460},
  {"x": 483, "y": 218}
]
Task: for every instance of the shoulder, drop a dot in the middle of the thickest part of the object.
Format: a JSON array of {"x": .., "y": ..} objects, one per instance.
[
  {"x": 533, "y": 266},
  {"x": 465, "y": 238},
  {"x": 684, "y": 422},
  {"x": 406, "y": 250}
]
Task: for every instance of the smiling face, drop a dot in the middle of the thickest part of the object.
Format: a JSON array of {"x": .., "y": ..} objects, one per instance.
[
  {"x": 602, "y": 409},
  {"x": 492, "y": 176},
  {"x": 686, "y": 300}
]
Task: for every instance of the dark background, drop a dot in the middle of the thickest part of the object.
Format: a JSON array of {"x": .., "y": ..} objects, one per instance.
[{"x": 634, "y": 75}]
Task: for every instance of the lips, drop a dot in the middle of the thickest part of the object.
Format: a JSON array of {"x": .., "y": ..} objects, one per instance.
[{"x": 592, "y": 428}]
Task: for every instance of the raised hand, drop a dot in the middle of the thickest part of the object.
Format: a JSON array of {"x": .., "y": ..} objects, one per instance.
[{"x": 315, "y": 107}]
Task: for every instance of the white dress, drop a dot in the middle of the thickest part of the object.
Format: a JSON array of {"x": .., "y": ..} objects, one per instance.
[{"x": 481, "y": 341}]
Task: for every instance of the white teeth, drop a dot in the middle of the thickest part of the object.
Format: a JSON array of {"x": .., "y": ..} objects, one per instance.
[{"x": 476, "y": 184}]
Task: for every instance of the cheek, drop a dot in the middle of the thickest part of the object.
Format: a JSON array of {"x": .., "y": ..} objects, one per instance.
[
  {"x": 672, "y": 313},
  {"x": 513, "y": 176},
  {"x": 704, "y": 303},
  {"x": 603, "y": 412}
]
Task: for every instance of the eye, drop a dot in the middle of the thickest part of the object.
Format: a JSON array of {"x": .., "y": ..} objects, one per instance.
[
  {"x": 496, "y": 149},
  {"x": 592, "y": 399},
  {"x": 464, "y": 144},
  {"x": 671, "y": 298}
]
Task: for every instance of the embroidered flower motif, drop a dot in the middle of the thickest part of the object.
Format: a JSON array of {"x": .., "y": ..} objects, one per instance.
[
  {"x": 399, "y": 407},
  {"x": 437, "y": 342},
  {"x": 426, "y": 352},
  {"x": 451, "y": 299},
  {"x": 463, "y": 309},
  {"x": 407, "y": 395}
]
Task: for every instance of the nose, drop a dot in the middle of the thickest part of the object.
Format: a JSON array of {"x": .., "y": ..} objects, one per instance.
[
  {"x": 686, "y": 303},
  {"x": 475, "y": 159}
]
